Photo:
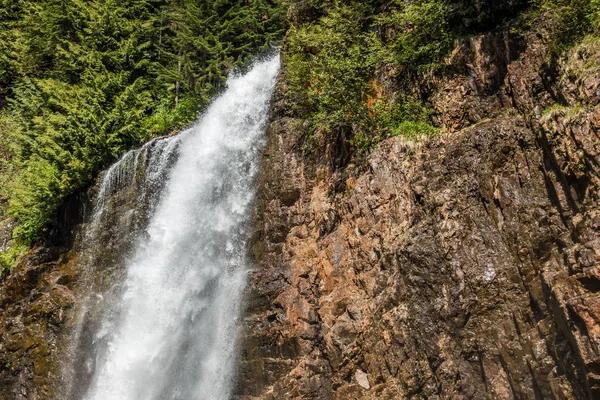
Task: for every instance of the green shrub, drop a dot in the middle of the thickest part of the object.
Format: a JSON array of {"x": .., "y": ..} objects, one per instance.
[
  {"x": 595, "y": 15},
  {"x": 8, "y": 258},
  {"x": 413, "y": 129},
  {"x": 340, "y": 67},
  {"x": 352, "y": 66},
  {"x": 416, "y": 34}
]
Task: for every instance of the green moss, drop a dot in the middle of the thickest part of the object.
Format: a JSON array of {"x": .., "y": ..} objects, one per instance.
[
  {"x": 559, "y": 109},
  {"x": 553, "y": 109},
  {"x": 412, "y": 129},
  {"x": 9, "y": 257}
]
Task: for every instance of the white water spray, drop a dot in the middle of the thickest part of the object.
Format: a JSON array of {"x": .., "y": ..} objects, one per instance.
[{"x": 171, "y": 334}]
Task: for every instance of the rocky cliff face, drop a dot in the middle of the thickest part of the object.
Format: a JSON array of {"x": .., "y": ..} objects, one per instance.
[
  {"x": 465, "y": 266},
  {"x": 36, "y": 302}
]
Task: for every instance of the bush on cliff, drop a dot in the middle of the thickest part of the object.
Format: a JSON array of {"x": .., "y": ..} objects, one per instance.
[
  {"x": 337, "y": 68},
  {"x": 353, "y": 67}
]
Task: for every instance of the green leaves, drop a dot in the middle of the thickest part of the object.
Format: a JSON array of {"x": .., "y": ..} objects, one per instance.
[
  {"x": 354, "y": 67},
  {"x": 340, "y": 67},
  {"x": 417, "y": 34},
  {"x": 35, "y": 195},
  {"x": 82, "y": 81},
  {"x": 595, "y": 15}
]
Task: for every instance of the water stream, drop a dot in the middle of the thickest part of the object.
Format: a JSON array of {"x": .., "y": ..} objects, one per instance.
[{"x": 167, "y": 328}]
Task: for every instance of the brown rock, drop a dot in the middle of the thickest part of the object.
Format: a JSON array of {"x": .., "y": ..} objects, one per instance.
[{"x": 466, "y": 267}]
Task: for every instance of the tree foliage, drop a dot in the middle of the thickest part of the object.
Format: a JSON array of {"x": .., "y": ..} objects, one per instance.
[
  {"x": 338, "y": 65},
  {"x": 350, "y": 64},
  {"x": 81, "y": 81}
]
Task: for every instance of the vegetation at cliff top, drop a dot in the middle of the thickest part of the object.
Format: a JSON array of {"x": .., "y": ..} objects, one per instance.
[
  {"x": 353, "y": 67},
  {"x": 81, "y": 81}
]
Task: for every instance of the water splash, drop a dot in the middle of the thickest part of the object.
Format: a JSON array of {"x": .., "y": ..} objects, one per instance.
[
  {"x": 143, "y": 171},
  {"x": 169, "y": 332}
]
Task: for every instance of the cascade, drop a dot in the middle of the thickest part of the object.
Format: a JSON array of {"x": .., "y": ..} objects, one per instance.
[{"x": 160, "y": 319}]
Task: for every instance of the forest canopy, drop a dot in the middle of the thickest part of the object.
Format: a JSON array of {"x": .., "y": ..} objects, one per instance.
[{"x": 81, "y": 81}]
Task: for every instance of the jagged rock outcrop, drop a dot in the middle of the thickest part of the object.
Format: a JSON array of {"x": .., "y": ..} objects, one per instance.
[{"x": 462, "y": 267}]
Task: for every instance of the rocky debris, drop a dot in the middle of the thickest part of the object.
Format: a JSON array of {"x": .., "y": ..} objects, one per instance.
[
  {"x": 464, "y": 267},
  {"x": 362, "y": 379}
]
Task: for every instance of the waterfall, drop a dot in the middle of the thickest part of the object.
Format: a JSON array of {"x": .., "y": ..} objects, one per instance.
[{"x": 165, "y": 327}]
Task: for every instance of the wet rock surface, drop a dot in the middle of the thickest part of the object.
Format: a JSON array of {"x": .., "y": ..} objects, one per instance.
[
  {"x": 463, "y": 267},
  {"x": 34, "y": 303}
]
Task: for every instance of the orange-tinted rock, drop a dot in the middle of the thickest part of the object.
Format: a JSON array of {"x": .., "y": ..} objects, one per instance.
[{"x": 465, "y": 267}]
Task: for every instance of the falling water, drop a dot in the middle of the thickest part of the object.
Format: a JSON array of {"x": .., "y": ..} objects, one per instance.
[{"x": 169, "y": 331}]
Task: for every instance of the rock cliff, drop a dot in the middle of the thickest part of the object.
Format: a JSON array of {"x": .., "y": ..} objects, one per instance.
[
  {"x": 36, "y": 302},
  {"x": 460, "y": 266},
  {"x": 463, "y": 266}
]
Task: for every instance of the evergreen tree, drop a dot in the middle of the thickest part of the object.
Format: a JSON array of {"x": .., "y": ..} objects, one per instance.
[{"x": 82, "y": 81}]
